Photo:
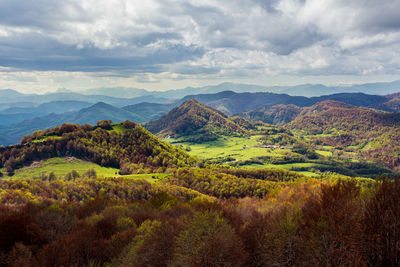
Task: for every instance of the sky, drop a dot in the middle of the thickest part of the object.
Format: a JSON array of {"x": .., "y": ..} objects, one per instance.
[{"x": 49, "y": 45}]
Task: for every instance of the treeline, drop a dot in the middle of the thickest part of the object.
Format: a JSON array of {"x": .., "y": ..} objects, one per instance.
[
  {"x": 219, "y": 184},
  {"x": 307, "y": 224},
  {"x": 131, "y": 149}
]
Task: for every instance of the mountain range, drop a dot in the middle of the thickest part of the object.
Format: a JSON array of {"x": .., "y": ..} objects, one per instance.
[
  {"x": 26, "y": 117},
  {"x": 308, "y": 90}
]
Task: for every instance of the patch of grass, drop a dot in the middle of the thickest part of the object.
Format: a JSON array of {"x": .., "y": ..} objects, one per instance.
[
  {"x": 240, "y": 148},
  {"x": 60, "y": 167},
  {"x": 47, "y": 138},
  {"x": 324, "y": 153},
  {"x": 117, "y": 127}
]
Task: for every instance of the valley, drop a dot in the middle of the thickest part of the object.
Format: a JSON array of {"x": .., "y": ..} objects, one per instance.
[
  {"x": 119, "y": 191},
  {"x": 199, "y": 133}
]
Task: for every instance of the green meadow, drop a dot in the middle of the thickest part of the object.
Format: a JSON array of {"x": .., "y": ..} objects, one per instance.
[{"x": 61, "y": 166}]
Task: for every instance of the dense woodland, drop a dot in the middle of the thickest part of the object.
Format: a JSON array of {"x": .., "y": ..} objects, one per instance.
[
  {"x": 203, "y": 214},
  {"x": 124, "y": 222}
]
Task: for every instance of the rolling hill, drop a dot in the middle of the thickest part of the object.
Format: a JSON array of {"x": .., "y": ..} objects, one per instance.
[
  {"x": 126, "y": 146},
  {"x": 278, "y": 114},
  {"x": 194, "y": 118}
]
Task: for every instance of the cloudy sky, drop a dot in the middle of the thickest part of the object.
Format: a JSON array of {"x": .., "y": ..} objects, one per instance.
[{"x": 46, "y": 45}]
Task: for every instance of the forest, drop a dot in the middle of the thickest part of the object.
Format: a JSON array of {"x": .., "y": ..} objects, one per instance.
[
  {"x": 124, "y": 222},
  {"x": 188, "y": 211}
]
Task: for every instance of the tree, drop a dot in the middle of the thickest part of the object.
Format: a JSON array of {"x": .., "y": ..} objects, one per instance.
[
  {"x": 104, "y": 124},
  {"x": 91, "y": 173},
  {"x": 208, "y": 241}
]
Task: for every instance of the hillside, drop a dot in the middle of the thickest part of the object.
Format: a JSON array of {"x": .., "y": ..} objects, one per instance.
[
  {"x": 231, "y": 103},
  {"x": 393, "y": 104},
  {"x": 373, "y": 134},
  {"x": 194, "y": 118},
  {"x": 126, "y": 146},
  {"x": 278, "y": 114}
]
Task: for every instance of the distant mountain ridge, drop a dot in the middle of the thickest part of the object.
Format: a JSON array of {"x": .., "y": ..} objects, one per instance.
[
  {"x": 108, "y": 95},
  {"x": 308, "y": 90},
  {"x": 7, "y": 96},
  {"x": 232, "y": 103},
  {"x": 251, "y": 106}
]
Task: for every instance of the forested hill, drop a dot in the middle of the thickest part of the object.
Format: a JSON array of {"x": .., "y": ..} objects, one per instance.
[
  {"x": 192, "y": 118},
  {"x": 376, "y": 134},
  {"x": 126, "y": 145}
]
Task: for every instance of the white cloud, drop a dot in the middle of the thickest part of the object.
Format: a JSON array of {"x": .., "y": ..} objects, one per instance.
[{"x": 194, "y": 39}]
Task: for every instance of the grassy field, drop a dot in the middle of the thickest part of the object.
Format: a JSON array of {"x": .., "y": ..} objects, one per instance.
[
  {"x": 240, "y": 148},
  {"x": 62, "y": 166},
  {"x": 247, "y": 152}
]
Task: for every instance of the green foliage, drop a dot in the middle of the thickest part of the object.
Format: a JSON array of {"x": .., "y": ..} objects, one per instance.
[
  {"x": 124, "y": 222},
  {"x": 134, "y": 146},
  {"x": 208, "y": 241},
  {"x": 219, "y": 184},
  {"x": 198, "y": 122},
  {"x": 372, "y": 134}
]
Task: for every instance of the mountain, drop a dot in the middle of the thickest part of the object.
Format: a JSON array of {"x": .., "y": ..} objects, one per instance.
[
  {"x": 15, "y": 97},
  {"x": 355, "y": 99},
  {"x": 122, "y": 92},
  {"x": 308, "y": 90},
  {"x": 149, "y": 111},
  {"x": 194, "y": 118},
  {"x": 50, "y": 107},
  {"x": 127, "y": 146},
  {"x": 101, "y": 111},
  {"x": 278, "y": 114},
  {"x": 18, "y": 114},
  {"x": 7, "y": 95},
  {"x": 232, "y": 103}
]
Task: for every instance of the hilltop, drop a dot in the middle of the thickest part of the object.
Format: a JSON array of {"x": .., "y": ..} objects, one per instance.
[{"x": 194, "y": 118}]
